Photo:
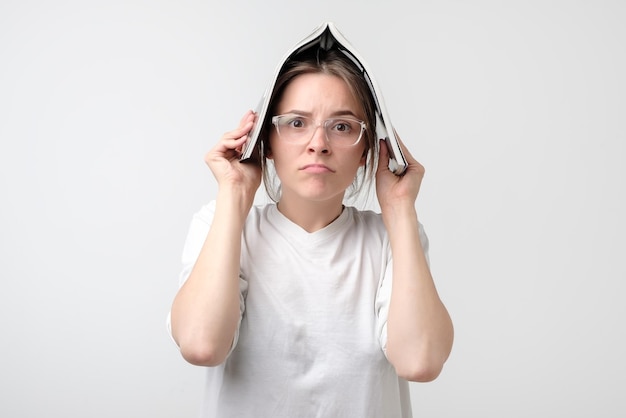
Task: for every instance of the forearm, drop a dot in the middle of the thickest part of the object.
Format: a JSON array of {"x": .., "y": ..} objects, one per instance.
[
  {"x": 419, "y": 328},
  {"x": 205, "y": 311}
]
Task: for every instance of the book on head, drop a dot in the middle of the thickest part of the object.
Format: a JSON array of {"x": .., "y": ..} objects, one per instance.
[{"x": 327, "y": 36}]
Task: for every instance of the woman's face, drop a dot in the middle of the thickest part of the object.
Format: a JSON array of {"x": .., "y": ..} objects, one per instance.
[{"x": 314, "y": 169}]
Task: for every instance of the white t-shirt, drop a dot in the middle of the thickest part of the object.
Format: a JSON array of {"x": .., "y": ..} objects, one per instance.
[{"x": 312, "y": 334}]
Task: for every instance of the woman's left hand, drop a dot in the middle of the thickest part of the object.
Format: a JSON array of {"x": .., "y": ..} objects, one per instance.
[{"x": 393, "y": 190}]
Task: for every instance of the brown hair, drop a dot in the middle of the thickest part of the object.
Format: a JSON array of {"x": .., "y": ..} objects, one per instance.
[{"x": 331, "y": 62}]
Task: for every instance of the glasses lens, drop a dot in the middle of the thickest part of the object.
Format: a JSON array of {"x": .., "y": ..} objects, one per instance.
[
  {"x": 343, "y": 132},
  {"x": 293, "y": 127}
]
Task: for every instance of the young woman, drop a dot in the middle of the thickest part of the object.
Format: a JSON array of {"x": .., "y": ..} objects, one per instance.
[{"x": 308, "y": 307}]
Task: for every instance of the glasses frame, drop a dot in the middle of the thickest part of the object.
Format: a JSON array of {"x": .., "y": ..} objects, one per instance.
[{"x": 323, "y": 124}]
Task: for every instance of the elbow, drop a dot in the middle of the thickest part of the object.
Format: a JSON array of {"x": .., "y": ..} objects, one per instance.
[
  {"x": 207, "y": 355},
  {"x": 422, "y": 364},
  {"x": 421, "y": 361},
  {"x": 419, "y": 371},
  {"x": 200, "y": 348}
]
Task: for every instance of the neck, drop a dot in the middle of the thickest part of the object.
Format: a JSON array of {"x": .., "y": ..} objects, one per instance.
[{"x": 311, "y": 215}]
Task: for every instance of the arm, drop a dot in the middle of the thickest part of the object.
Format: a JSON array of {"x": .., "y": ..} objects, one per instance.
[
  {"x": 419, "y": 328},
  {"x": 205, "y": 312}
]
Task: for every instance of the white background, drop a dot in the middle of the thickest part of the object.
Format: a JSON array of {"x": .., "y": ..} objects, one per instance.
[{"x": 516, "y": 109}]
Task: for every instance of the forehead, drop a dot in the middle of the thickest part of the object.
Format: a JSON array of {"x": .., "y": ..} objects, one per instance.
[{"x": 318, "y": 93}]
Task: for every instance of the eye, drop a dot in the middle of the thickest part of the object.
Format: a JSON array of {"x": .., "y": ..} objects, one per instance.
[
  {"x": 342, "y": 126},
  {"x": 296, "y": 122}
]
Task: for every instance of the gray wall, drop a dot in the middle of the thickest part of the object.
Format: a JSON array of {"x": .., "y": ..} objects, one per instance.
[{"x": 515, "y": 108}]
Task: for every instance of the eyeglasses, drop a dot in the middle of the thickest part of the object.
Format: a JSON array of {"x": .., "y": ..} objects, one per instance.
[{"x": 342, "y": 132}]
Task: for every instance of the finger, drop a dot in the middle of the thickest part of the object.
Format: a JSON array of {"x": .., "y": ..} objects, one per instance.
[
  {"x": 383, "y": 156},
  {"x": 245, "y": 125},
  {"x": 239, "y": 132},
  {"x": 228, "y": 146},
  {"x": 235, "y": 139},
  {"x": 248, "y": 116},
  {"x": 233, "y": 144}
]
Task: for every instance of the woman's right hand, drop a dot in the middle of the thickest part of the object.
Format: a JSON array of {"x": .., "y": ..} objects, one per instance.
[{"x": 223, "y": 159}]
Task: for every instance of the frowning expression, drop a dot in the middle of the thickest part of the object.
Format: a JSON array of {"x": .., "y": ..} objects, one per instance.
[{"x": 313, "y": 168}]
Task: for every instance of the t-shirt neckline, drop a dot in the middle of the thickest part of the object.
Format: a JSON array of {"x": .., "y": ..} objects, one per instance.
[{"x": 297, "y": 233}]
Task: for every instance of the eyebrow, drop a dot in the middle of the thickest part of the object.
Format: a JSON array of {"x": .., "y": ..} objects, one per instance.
[{"x": 334, "y": 114}]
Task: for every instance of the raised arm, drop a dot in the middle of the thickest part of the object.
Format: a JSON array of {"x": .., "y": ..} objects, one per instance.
[
  {"x": 419, "y": 328},
  {"x": 205, "y": 312}
]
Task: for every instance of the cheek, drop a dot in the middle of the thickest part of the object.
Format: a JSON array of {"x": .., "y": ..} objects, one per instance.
[
  {"x": 351, "y": 163},
  {"x": 282, "y": 157}
]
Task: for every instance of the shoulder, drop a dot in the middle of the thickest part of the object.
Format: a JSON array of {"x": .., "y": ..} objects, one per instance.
[
  {"x": 366, "y": 217},
  {"x": 260, "y": 214},
  {"x": 367, "y": 221},
  {"x": 372, "y": 223}
]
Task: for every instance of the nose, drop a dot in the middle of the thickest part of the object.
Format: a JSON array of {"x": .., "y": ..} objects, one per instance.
[{"x": 318, "y": 142}]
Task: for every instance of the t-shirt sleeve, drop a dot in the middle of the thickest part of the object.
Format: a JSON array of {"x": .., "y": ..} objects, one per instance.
[
  {"x": 198, "y": 231},
  {"x": 383, "y": 297}
]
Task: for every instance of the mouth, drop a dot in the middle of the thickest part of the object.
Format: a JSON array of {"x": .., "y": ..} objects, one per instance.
[{"x": 317, "y": 168}]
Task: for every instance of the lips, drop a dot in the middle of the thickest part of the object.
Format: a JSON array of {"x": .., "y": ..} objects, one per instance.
[{"x": 317, "y": 168}]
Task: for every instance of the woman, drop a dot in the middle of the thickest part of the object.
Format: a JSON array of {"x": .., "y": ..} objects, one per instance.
[{"x": 308, "y": 307}]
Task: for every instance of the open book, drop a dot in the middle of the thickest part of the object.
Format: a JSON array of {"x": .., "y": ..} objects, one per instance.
[{"x": 327, "y": 36}]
